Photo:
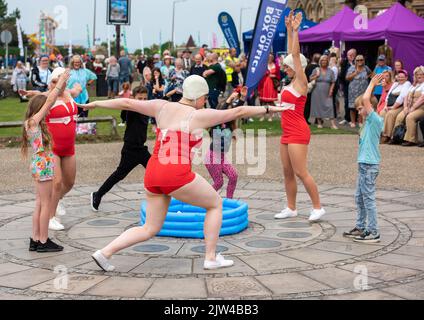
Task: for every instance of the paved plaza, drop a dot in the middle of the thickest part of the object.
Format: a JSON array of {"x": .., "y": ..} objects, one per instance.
[{"x": 274, "y": 259}]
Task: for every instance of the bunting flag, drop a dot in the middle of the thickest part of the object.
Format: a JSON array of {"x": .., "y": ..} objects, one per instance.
[
  {"x": 229, "y": 30},
  {"x": 42, "y": 37},
  {"x": 20, "y": 41}
]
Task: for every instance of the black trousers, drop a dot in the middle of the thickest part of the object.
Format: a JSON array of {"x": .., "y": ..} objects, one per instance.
[
  {"x": 307, "y": 111},
  {"x": 130, "y": 159},
  {"x": 346, "y": 100}
]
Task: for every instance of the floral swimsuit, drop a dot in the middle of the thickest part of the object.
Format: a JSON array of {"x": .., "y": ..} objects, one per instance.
[{"x": 42, "y": 160}]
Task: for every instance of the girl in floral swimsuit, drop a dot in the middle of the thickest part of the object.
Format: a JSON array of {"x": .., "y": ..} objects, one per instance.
[{"x": 36, "y": 134}]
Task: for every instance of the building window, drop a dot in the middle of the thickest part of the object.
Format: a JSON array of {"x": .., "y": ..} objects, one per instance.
[{"x": 320, "y": 12}]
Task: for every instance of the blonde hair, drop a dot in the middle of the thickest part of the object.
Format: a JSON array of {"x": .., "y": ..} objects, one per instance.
[
  {"x": 419, "y": 69},
  {"x": 71, "y": 62},
  {"x": 359, "y": 102}
]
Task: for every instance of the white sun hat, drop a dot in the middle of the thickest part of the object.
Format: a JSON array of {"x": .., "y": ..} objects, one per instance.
[
  {"x": 289, "y": 61},
  {"x": 195, "y": 87},
  {"x": 57, "y": 73}
]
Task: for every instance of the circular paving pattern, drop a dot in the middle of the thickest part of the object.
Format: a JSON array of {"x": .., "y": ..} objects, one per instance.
[{"x": 278, "y": 259}]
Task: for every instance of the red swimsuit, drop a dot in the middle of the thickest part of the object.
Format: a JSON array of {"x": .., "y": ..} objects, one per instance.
[
  {"x": 169, "y": 167},
  {"x": 293, "y": 123},
  {"x": 61, "y": 122}
]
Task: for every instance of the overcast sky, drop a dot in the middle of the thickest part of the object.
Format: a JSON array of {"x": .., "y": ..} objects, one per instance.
[{"x": 191, "y": 17}]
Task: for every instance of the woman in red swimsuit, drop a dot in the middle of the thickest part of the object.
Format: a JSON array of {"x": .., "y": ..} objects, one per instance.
[
  {"x": 169, "y": 174},
  {"x": 296, "y": 133}
]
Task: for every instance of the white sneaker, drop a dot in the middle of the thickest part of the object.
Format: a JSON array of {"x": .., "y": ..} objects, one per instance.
[
  {"x": 55, "y": 225},
  {"x": 343, "y": 122},
  {"x": 286, "y": 213},
  {"x": 102, "y": 261},
  {"x": 316, "y": 214},
  {"x": 220, "y": 262},
  {"x": 121, "y": 124},
  {"x": 60, "y": 210}
]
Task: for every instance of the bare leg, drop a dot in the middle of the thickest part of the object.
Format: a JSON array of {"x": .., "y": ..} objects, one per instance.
[
  {"x": 157, "y": 208},
  {"x": 45, "y": 190},
  {"x": 289, "y": 177},
  {"x": 298, "y": 154},
  {"x": 201, "y": 194},
  {"x": 36, "y": 216},
  {"x": 65, "y": 172},
  {"x": 353, "y": 117}
]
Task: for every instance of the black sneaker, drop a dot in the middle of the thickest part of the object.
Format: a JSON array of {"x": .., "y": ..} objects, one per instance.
[
  {"x": 33, "y": 245},
  {"x": 355, "y": 232},
  {"x": 49, "y": 246},
  {"x": 367, "y": 237},
  {"x": 95, "y": 201}
]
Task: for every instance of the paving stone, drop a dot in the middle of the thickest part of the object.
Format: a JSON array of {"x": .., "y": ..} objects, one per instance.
[
  {"x": 10, "y": 296},
  {"x": 411, "y": 251},
  {"x": 271, "y": 261},
  {"x": 131, "y": 195},
  {"x": 199, "y": 248},
  {"x": 190, "y": 288},
  {"x": 28, "y": 255},
  {"x": 287, "y": 283},
  {"x": 336, "y": 278},
  {"x": 27, "y": 278},
  {"x": 347, "y": 248},
  {"x": 255, "y": 244},
  {"x": 315, "y": 256},
  {"x": 8, "y": 268},
  {"x": 22, "y": 196},
  {"x": 410, "y": 291},
  {"x": 75, "y": 284},
  {"x": 235, "y": 287},
  {"x": 405, "y": 214},
  {"x": 147, "y": 247},
  {"x": 9, "y": 211},
  {"x": 243, "y": 194},
  {"x": 385, "y": 272},
  {"x": 67, "y": 260},
  {"x": 121, "y": 287},
  {"x": 417, "y": 199},
  {"x": 93, "y": 232},
  {"x": 6, "y": 245},
  {"x": 364, "y": 295},
  {"x": 267, "y": 186},
  {"x": 132, "y": 187},
  {"x": 167, "y": 266},
  {"x": 402, "y": 261}
]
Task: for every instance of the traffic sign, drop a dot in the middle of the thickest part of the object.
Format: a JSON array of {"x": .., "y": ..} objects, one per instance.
[{"x": 6, "y": 36}]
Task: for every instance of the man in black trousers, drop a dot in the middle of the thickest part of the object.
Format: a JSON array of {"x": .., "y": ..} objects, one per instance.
[{"x": 133, "y": 153}]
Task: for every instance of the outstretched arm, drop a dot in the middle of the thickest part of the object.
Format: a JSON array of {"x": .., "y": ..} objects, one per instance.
[
  {"x": 51, "y": 99},
  {"x": 207, "y": 118},
  {"x": 148, "y": 108}
]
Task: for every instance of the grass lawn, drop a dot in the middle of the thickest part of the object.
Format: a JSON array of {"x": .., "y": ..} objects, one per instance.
[{"x": 12, "y": 110}]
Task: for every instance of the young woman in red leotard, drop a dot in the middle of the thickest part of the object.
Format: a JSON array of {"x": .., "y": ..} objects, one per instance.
[
  {"x": 169, "y": 174},
  {"x": 296, "y": 133}
]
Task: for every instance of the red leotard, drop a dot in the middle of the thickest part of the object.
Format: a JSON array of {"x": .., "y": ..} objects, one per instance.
[
  {"x": 293, "y": 123},
  {"x": 169, "y": 167},
  {"x": 63, "y": 130}
]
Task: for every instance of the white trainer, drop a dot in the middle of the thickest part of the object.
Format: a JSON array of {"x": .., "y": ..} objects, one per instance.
[
  {"x": 102, "y": 261},
  {"x": 316, "y": 214},
  {"x": 286, "y": 213},
  {"x": 60, "y": 210},
  {"x": 54, "y": 225},
  {"x": 220, "y": 262}
]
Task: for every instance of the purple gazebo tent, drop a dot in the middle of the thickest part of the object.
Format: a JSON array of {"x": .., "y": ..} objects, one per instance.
[
  {"x": 330, "y": 29},
  {"x": 403, "y": 30}
]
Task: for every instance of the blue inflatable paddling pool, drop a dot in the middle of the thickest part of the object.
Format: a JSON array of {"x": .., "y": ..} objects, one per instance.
[{"x": 187, "y": 221}]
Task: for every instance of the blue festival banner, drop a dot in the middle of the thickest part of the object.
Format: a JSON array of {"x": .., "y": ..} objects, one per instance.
[
  {"x": 229, "y": 30},
  {"x": 270, "y": 13}
]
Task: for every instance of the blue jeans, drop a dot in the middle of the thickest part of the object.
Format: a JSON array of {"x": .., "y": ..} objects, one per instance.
[
  {"x": 365, "y": 198},
  {"x": 124, "y": 78},
  {"x": 213, "y": 98},
  {"x": 113, "y": 84}
]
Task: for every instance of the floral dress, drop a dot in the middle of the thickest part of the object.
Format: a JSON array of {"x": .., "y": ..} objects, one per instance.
[{"x": 42, "y": 167}]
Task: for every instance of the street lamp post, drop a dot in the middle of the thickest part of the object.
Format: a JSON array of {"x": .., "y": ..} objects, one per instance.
[
  {"x": 94, "y": 23},
  {"x": 241, "y": 25},
  {"x": 173, "y": 21}
]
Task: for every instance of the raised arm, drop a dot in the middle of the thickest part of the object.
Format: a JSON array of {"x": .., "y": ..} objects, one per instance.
[
  {"x": 366, "y": 99},
  {"x": 207, "y": 118},
  {"x": 289, "y": 28},
  {"x": 300, "y": 73},
  {"x": 51, "y": 99},
  {"x": 148, "y": 108}
]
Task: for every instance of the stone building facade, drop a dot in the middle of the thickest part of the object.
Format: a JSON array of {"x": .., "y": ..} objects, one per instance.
[{"x": 319, "y": 10}]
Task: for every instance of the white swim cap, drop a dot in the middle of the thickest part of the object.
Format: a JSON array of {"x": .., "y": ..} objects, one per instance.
[
  {"x": 195, "y": 87},
  {"x": 289, "y": 61},
  {"x": 57, "y": 73}
]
